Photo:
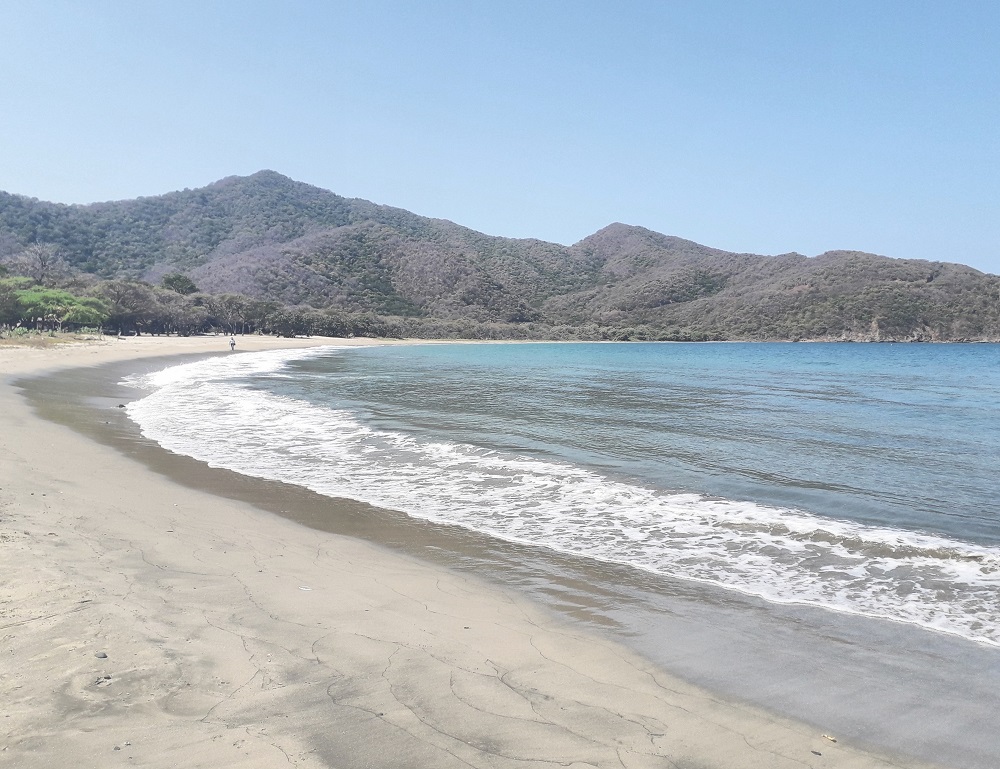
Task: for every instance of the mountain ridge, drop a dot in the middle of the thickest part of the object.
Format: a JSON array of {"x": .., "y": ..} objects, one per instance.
[{"x": 267, "y": 236}]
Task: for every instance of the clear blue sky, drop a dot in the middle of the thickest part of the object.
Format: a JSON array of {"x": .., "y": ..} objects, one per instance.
[{"x": 751, "y": 126}]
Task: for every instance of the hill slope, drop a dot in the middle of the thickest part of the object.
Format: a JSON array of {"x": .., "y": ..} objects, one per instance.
[
  {"x": 668, "y": 282},
  {"x": 268, "y": 236}
]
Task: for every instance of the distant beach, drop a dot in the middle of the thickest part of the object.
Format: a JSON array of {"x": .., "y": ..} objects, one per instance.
[{"x": 156, "y": 611}]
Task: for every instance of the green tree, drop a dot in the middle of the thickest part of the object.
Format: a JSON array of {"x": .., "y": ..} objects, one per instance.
[
  {"x": 290, "y": 322},
  {"x": 53, "y": 308},
  {"x": 11, "y": 310},
  {"x": 179, "y": 282},
  {"x": 260, "y": 312},
  {"x": 132, "y": 305},
  {"x": 180, "y": 314},
  {"x": 88, "y": 311},
  {"x": 229, "y": 311}
]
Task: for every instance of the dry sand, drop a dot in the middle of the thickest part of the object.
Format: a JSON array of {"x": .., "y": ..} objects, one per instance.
[{"x": 143, "y": 623}]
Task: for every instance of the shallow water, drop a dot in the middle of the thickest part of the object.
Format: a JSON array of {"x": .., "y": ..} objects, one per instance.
[{"x": 852, "y": 478}]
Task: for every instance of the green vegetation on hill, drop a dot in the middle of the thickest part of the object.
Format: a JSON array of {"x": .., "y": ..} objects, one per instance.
[{"x": 267, "y": 253}]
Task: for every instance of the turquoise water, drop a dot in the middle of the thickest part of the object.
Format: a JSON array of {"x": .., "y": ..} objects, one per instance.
[
  {"x": 894, "y": 434},
  {"x": 854, "y": 478}
]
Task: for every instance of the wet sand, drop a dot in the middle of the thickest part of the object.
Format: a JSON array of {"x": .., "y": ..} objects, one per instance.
[{"x": 152, "y": 623}]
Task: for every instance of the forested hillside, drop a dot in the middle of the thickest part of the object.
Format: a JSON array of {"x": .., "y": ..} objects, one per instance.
[
  {"x": 674, "y": 284},
  {"x": 269, "y": 240}
]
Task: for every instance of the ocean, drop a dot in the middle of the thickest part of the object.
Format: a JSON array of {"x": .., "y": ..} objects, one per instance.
[{"x": 857, "y": 479}]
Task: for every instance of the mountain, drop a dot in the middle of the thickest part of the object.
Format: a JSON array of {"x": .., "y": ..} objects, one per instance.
[
  {"x": 672, "y": 283},
  {"x": 267, "y": 236}
]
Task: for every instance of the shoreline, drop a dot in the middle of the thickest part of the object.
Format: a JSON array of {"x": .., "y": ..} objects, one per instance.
[{"x": 401, "y": 661}]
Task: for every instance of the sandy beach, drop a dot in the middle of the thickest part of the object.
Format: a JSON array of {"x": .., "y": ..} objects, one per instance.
[{"x": 148, "y": 623}]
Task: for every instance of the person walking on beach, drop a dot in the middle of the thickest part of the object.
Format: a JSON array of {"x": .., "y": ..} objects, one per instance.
[{"x": 232, "y": 344}]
